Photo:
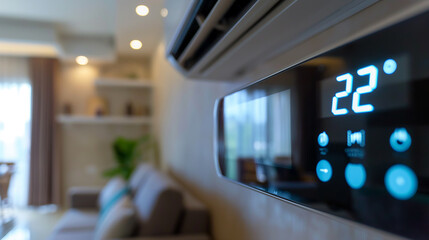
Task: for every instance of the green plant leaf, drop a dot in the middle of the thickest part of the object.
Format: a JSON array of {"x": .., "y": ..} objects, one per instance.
[{"x": 126, "y": 153}]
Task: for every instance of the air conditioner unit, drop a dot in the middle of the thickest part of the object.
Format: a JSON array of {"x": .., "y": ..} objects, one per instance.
[{"x": 222, "y": 39}]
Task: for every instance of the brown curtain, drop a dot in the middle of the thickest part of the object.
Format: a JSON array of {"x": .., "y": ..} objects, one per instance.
[{"x": 44, "y": 165}]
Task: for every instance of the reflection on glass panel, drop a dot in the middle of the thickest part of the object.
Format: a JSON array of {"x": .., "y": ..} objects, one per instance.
[{"x": 257, "y": 133}]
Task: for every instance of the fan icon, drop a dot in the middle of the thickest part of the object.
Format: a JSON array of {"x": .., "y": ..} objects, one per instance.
[{"x": 400, "y": 140}]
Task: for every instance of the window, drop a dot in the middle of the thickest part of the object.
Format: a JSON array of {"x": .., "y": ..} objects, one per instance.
[{"x": 15, "y": 124}]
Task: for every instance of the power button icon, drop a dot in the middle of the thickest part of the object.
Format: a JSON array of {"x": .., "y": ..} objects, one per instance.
[
  {"x": 400, "y": 140},
  {"x": 323, "y": 139}
]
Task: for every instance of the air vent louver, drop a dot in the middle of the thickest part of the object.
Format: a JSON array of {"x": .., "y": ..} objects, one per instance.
[{"x": 208, "y": 23}]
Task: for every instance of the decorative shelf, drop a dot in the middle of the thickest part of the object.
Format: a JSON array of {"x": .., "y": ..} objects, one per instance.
[
  {"x": 118, "y": 120},
  {"x": 125, "y": 83}
]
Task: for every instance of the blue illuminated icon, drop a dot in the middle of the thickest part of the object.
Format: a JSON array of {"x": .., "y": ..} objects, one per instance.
[
  {"x": 400, "y": 140},
  {"x": 324, "y": 170},
  {"x": 372, "y": 71},
  {"x": 356, "y": 138},
  {"x": 401, "y": 182},
  {"x": 349, "y": 81},
  {"x": 355, "y": 175},
  {"x": 323, "y": 139},
  {"x": 389, "y": 66}
]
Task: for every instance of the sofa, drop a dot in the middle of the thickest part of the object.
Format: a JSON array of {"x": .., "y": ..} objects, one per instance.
[{"x": 152, "y": 206}]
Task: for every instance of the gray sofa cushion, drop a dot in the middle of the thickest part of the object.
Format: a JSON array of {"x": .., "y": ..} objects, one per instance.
[
  {"x": 140, "y": 176},
  {"x": 158, "y": 203},
  {"x": 163, "y": 210},
  {"x": 73, "y": 235},
  {"x": 84, "y": 197},
  {"x": 175, "y": 237},
  {"x": 118, "y": 222},
  {"x": 195, "y": 216},
  {"x": 75, "y": 219}
]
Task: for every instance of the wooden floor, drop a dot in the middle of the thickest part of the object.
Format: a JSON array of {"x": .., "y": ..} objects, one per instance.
[{"x": 30, "y": 224}]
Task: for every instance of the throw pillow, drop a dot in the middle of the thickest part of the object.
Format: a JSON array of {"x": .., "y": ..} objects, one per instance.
[
  {"x": 110, "y": 190},
  {"x": 118, "y": 221}
]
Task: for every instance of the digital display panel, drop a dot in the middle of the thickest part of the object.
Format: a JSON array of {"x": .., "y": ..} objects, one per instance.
[{"x": 345, "y": 133}]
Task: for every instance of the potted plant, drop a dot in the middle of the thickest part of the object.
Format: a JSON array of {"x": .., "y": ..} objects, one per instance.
[{"x": 127, "y": 153}]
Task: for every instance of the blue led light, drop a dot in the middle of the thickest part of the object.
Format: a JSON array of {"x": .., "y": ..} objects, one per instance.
[
  {"x": 372, "y": 71},
  {"x": 356, "y": 138},
  {"x": 324, "y": 170},
  {"x": 349, "y": 81},
  {"x": 389, "y": 66},
  {"x": 355, "y": 175},
  {"x": 401, "y": 182},
  {"x": 323, "y": 139},
  {"x": 400, "y": 140}
]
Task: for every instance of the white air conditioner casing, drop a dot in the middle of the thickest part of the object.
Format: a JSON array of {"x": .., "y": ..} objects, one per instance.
[{"x": 262, "y": 30}]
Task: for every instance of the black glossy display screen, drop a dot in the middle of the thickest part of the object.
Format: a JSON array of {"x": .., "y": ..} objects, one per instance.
[{"x": 346, "y": 133}]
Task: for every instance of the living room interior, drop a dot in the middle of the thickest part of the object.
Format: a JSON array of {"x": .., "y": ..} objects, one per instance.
[{"x": 111, "y": 127}]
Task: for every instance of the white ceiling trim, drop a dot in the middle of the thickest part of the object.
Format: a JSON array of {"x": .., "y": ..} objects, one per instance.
[{"x": 98, "y": 29}]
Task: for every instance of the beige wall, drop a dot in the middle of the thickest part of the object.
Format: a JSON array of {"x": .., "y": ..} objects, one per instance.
[
  {"x": 86, "y": 148},
  {"x": 184, "y": 128}
]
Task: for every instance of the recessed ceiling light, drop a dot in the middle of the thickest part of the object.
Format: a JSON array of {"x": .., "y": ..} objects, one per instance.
[
  {"x": 164, "y": 12},
  {"x": 81, "y": 60},
  {"x": 136, "y": 44},
  {"x": 142, "y": 10}
]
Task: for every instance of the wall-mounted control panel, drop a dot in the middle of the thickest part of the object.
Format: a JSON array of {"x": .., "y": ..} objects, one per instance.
[{"x": 345, "y": 133}]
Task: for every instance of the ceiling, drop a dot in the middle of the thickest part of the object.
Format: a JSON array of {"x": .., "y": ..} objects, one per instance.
[
  {"x": 113, "y": 20},
  {"x": 147, "y": 29},
  {"x": 76, "y": 17}
]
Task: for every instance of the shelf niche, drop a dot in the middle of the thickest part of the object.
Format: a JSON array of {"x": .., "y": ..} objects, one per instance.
[
  {"x": 122, "y": 83},
  {"x": 117, "y": 120}
]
